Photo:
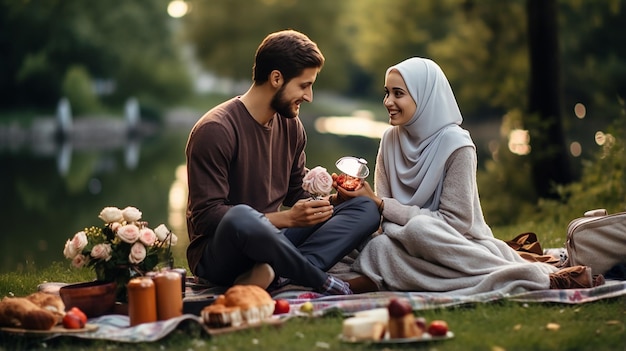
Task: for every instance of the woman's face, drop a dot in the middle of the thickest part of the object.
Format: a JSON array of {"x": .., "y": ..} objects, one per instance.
[{"x": 397, "y": 100}]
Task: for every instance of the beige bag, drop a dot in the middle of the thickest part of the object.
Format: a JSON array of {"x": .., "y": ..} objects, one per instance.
[{"x": 597, "y": 240}]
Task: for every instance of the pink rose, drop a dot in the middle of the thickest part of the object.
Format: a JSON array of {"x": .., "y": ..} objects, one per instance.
[
  {"x": 75, "y": 245},
  {"x": 137, "y": 253},
  {"x": 79, "y": 260},
  {"x": 147, "y": 236},
  {"x": 101, "y": 251},
  {"x": 68, "y": 251},
  {"x": 317, "y": 182},
  {"x": 128, "y": 233},
  {"x": 115, "y": 226}
]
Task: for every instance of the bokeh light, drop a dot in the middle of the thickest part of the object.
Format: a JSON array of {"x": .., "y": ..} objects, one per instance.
[
  {"x": 177, "y": 8},
  {"x": 580, "y": 110},
  {"x": 575, "y": 149},
  {"x": 519, "y": 141},
  {"x": 361, "y": 123},
  {"x": 600, "y": 138}
]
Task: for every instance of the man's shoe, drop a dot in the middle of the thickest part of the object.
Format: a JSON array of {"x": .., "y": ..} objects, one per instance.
[{"x": 576, "y": 277}]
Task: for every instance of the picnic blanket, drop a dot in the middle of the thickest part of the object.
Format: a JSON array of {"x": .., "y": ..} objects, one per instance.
[{"x": 117, "y": 327}]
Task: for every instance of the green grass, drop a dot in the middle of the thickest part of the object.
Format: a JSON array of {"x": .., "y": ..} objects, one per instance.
[
  {"x": 495, "y": 326},
  {"x": 501, "y": 325}
]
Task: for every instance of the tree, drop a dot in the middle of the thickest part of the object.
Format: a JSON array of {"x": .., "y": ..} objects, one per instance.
[
  {"x": 127, "y": 42},
  {"x": 549, "y": 155},
  {"x": 226, "y": 33}
]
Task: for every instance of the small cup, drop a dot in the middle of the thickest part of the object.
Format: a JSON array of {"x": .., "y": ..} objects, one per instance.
[
  {"x": 169, "y": 299},
  {"x": 183, "y": 278},
  {"x": 142, "y": 306}
]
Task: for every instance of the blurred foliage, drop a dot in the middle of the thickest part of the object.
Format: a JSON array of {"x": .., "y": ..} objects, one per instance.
[
  {"x": 225, "y": 36},
  {"x": 507, "y": 197},
  {"x": 77, "y": 88},
  {"x": 53, "y": 47},
  {"x": 603, "y": 181},
  {"x": 128, "y": 43},
  {"x": 481, "y": 45},
  {"x": 504, "y": 182}
]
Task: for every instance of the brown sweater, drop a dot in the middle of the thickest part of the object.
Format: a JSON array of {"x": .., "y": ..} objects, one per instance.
[{"x": 231, "y": 160}]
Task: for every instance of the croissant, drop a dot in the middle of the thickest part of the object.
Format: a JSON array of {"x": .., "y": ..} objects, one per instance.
[{"x": 21, "y": 312}]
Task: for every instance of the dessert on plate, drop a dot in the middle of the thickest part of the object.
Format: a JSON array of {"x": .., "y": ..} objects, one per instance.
[
  {"x": 402, "y": 323},
  {"x": 240, "y": 304},
  {"x": 396, "y": 321}
]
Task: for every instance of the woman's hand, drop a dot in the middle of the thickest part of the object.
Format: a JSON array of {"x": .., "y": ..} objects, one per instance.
[{"x": 364, "y": 190}]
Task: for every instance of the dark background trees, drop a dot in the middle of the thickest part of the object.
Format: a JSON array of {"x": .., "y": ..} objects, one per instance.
[
  {"x": 504, "y": 66},
  {"x": 125, "y": 43}
]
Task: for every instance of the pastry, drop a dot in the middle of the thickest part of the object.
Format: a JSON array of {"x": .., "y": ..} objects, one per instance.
[
  {"x": 50, "y": 302},
  {"x": 20, "y": 312},
  {"x": 402, "y": 322},
  {"x": 251, "y": 302},
  {"x": 217, "y": 316}
]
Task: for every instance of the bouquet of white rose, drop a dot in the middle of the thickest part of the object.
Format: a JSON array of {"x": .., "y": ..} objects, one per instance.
[{"x": 124, "y": 247}]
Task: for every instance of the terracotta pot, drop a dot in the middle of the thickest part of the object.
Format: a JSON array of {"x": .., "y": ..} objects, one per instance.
[{"x": 95, "y": 298}]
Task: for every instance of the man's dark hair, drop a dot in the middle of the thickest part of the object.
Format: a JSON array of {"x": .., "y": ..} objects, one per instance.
[{"x": 287, "y": 51}]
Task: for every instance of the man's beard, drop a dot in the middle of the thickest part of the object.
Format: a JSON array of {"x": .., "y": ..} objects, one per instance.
[{"x": 281, "y": 105}]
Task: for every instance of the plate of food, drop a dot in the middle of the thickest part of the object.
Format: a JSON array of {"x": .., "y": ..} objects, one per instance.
[
  {"x": 240, "y": 307},
  {"x": 57, "y": 329},
  {"x": 386, "y": 340},
  {"x": 395, "y": 324}
]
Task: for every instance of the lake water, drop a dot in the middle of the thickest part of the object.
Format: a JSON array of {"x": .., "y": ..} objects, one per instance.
[{"x": 50, "y": 189}]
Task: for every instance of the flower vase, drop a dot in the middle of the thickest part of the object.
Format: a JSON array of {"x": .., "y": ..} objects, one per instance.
[{"x": 120, "y": 275}]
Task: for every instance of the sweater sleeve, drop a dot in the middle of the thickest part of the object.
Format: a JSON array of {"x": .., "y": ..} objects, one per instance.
[
  {"x": 208, "y": 153},
  {"x": 457, "y": 198}
]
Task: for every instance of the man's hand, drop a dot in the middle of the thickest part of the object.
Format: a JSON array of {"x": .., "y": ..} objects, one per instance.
[
  {"x": 304, "y": 213},
  {"x": 309, "y": 212}
]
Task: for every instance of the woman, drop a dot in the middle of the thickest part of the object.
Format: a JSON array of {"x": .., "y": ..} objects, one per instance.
[{"x": 434, "y": 237}]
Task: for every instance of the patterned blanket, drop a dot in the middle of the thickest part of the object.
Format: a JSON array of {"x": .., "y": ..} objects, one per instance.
[{"x": 116, "y": 327}]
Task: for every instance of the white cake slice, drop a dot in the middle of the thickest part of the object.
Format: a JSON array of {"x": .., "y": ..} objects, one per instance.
[
  {"x": 381, "y": 314},
  {"x": 363, "y": 328}
]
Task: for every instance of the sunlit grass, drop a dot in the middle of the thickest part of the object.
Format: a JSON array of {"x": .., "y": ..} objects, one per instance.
[
  {"x": 492, "y": 326},
  {"x": 501, "y": 325}
]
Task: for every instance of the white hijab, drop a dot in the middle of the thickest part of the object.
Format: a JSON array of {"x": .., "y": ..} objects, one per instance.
[{"x": 415, "y": 153}]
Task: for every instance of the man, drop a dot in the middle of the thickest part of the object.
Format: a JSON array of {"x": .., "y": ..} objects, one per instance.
[{"x": 246, "y": 159}]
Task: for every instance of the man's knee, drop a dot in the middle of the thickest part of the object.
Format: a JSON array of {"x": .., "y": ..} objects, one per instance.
[
  {"x": 247, "y": 223},
  {"x": 368, "y": 211}
]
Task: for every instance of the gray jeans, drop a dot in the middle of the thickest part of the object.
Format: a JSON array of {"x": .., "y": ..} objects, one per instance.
[{"x": 303, "y": 255}]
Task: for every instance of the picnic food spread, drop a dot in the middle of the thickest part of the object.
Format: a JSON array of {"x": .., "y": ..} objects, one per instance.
[
  {"x": 396, "y": 322},
  {"x": 402, "y": 322},
  {"x": 37, "y": 311},
  {"x": 366, "y": 325},
  {"x": 238, "y": 305}
]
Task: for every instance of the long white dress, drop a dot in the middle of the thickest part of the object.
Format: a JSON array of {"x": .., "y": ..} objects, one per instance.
[{"x": 450, "y": 250}]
